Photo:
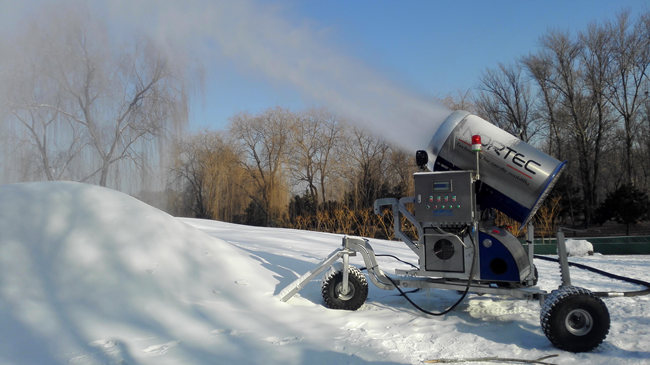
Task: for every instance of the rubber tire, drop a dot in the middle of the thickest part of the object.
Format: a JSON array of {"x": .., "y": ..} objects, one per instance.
[
  {"x": 554, "y": 319},
  {"x": 355, "y": 298}
]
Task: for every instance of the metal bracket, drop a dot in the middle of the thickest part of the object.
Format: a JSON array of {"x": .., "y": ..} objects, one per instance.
[
  {"x": 399, "y": 207},
  {"x": 351, "y": 245},
  {"x": 531, "y": 253},
  {"x": 412, "y": 279},
  {"x": 564, "y": 262},
  {"x": 297, "y": 285},
  {"x": 376, "y": 275}
]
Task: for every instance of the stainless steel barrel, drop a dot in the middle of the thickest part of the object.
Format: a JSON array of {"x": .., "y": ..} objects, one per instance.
[{"x": 515, "y": 176}]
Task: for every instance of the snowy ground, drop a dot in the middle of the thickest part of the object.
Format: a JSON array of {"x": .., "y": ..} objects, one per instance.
[{"x": 92, "y": 276}]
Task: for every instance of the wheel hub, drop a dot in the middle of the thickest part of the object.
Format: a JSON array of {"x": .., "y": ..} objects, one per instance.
[
  {"x": 579, "y": 322},
  {"x": 347, "y": 296}
]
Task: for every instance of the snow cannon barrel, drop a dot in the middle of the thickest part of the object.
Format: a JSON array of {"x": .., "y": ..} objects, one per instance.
[{"x": 515, "y": 176}]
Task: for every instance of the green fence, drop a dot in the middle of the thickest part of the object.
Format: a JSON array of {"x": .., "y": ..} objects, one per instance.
[{"x": 622, "y": 245}]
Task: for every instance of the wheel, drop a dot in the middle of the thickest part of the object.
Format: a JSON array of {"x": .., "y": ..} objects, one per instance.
[
  {"x": 574, "y": 319},
  {"x": 357, "y": 290}
]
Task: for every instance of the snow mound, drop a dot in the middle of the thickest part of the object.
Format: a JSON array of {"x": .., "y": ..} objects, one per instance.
[
  {"x": 87, "y": 272},
  {"x": 93, "y": 276},
  {"x": 579, "y": 247}
]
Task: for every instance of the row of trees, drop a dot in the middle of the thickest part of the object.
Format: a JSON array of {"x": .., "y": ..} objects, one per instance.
[
  {"x": 76, "y": 105},
  {"x": 584, "y": 98},
  {"x": 287, "y": 168},
  {"x": 266, "y": 170}
]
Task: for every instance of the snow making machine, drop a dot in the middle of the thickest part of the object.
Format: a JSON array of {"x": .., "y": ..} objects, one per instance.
[{"x": 470, "y": 168}]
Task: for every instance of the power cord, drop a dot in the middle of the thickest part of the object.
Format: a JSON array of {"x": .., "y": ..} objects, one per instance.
[
  {"x": 453, "y": 306},
  {"x": 398, "y": 259},
  {"x": 634, "y": 293}
]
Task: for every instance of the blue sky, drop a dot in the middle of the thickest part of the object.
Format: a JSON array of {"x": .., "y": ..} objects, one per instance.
[{"x": 431, "y": 48}]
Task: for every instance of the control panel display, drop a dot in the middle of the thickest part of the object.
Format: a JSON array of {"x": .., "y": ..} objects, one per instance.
[
  {"x": 444, "y": 198},
  {"x": 442, "y": 186}
]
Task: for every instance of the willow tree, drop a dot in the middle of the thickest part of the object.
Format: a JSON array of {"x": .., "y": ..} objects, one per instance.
[{"x": 87, "y": 103}]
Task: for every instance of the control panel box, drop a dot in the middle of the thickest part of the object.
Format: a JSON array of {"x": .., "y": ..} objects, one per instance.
[{"x": 444, "y": 198}]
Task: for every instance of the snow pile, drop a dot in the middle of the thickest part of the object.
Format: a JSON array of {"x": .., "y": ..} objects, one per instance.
[
  {"x": 579, "y": 247},
  {"x": 92, "y": 276}
]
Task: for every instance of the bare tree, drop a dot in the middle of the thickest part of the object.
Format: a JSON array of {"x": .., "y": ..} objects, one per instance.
[
  {"x": 399, "y": 173},
  {"x": 328, "y": 160},
  {"x": 117, "y": 121},
  {"x": 596, "y": 59},
  {"x": 540, "y": 69},
  {"x": 42, "y": 127},
  {"x": 209, "y": 172},
  {"x": 304, "y": 153},
  {"x": 630, "y": 59},
  {"x": 264, "y": 141},
  {"x": 191, "y": 169},
  {"x": 645, "y": 133},
  {"x": 45, "y": 133},
  {"x": 576, "y": 110},
  {"x": 461, "y": 101},
  {"x": 506, "y": 101},
  {"x": 366, "y": 156},
  {"x": 314, "y": 138},
  {"x": 88, "y": 104}
]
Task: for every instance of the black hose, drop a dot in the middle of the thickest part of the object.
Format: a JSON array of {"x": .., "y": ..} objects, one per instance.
[
  {"x": 635, "y": 293},
  {"x": 453, "y": 306},
  {"x": 402, "y": 293},
  {"x": 398, "y": 259}
]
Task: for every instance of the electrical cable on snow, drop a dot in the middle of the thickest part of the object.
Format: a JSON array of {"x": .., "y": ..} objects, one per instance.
[
  {"x": 424, "y": 310},
  {"x": 398, "y": 259},
  {"x": 634, "y": 293},
  {"x": 402, "y": 261},
  {"x": 404, "y": 294},
  {"x": 581, "y": 266},
  {"x": 453, "y": 306},
  {"x": 494, "y": 359}
]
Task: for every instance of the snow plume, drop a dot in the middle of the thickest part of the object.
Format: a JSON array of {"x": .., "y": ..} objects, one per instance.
[
  {"x": 261, "y": 40},
  {"x": 265, "y": 42}
]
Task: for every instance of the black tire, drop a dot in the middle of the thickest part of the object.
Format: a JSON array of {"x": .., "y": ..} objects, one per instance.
[
  {"x": 574, "y": 319},
  {"x": 356, "y": 296}
]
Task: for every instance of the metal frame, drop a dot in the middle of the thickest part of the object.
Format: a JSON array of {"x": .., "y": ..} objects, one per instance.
[
  {"x": 419, "y": 278},
  {"x": 407, "y": 279},
  {"x": 399, "y": 207},
  {"x": 411, "y": 278}
]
